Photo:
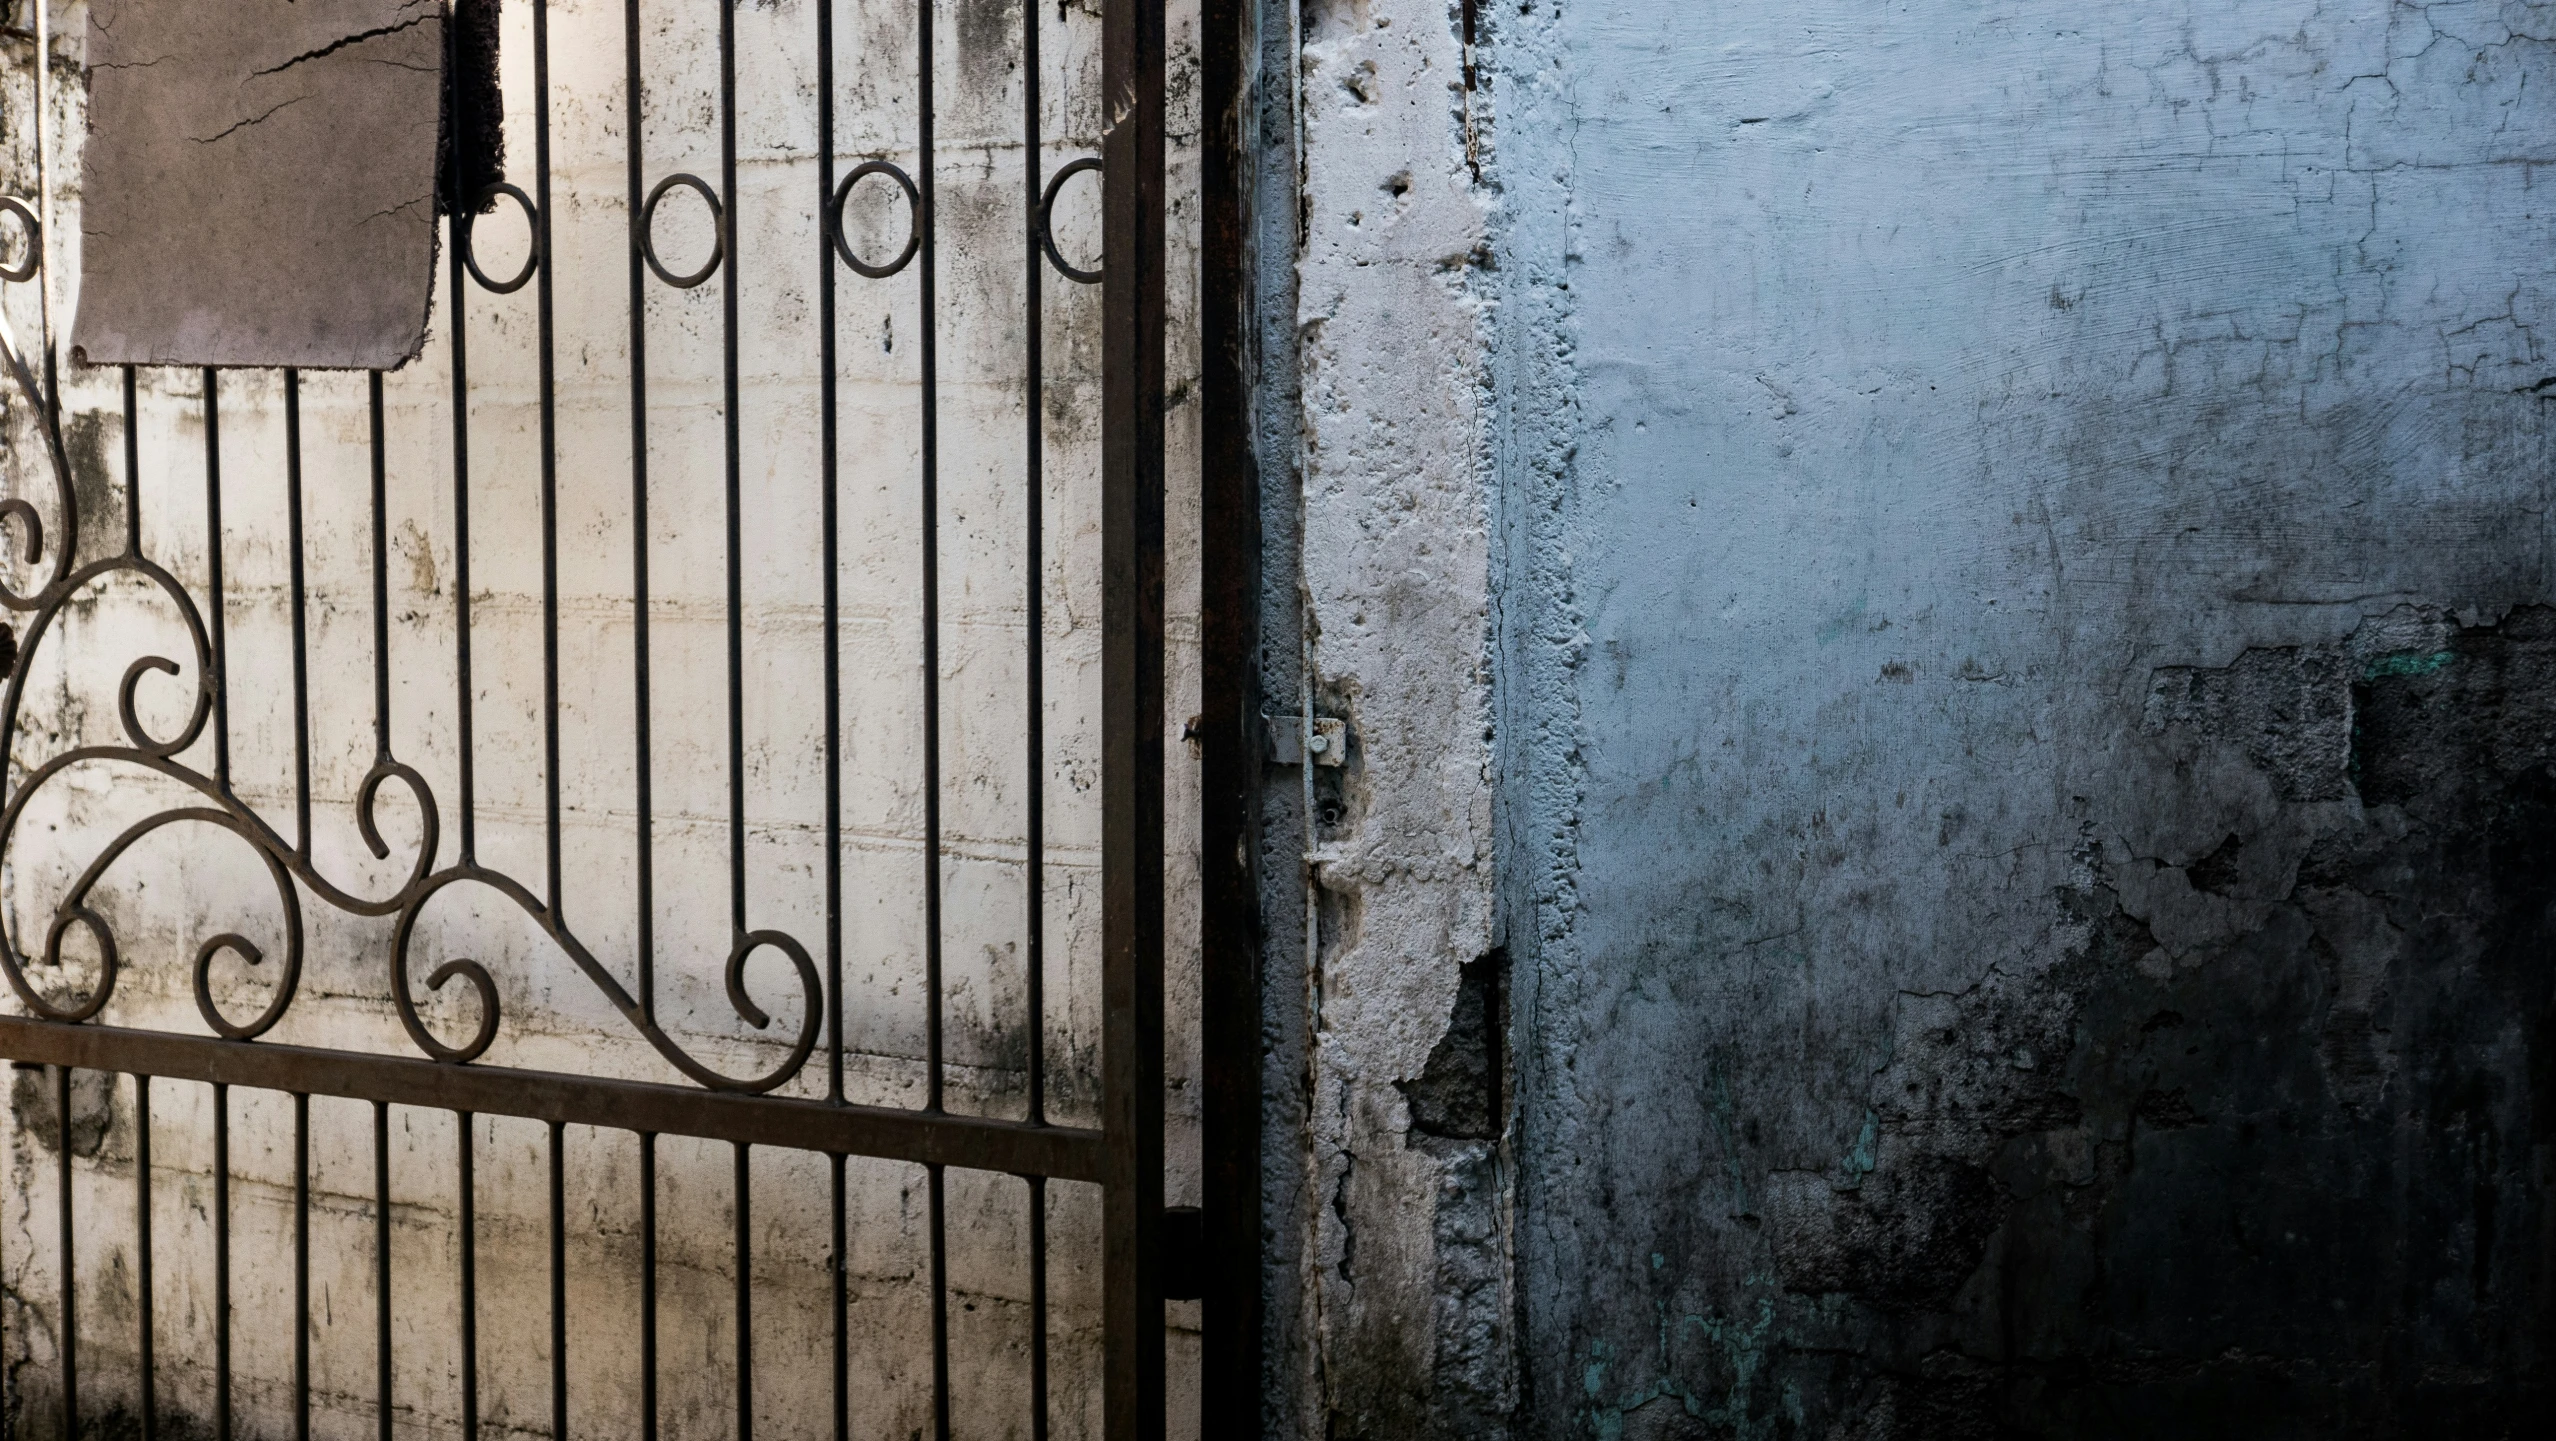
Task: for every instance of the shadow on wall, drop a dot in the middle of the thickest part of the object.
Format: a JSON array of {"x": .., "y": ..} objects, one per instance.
[{"x": 2287, "y": 1181}]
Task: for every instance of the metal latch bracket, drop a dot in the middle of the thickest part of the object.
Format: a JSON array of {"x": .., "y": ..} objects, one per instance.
[{"x": 1287, "y": 740}]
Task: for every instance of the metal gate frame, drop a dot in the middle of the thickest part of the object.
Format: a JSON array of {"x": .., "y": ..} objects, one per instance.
[{"x": 1124, "y": 1156}]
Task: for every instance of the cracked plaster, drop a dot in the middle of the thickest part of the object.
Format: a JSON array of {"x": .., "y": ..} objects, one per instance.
[
  {"x": 2010, "y": 936},
  {"x": 310, "y": 238}
]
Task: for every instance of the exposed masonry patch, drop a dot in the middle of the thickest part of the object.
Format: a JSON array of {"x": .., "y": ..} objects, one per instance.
[
  {"x": 1908, "y": 1240},
  {"x": 2323, "y": 1109},
  {"x": 2326, "y": 1108},
  {"x": 2290, "y": 708},
  {"x": 1457, "y": 1096}
]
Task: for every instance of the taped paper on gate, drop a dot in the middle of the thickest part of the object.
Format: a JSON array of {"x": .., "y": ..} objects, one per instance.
[{"x": 261, "y": 178}]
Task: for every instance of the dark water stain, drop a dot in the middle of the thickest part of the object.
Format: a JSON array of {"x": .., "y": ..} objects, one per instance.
[
  {"x": 93, "y": 1109},
  {"x": 2291, "y": 1182}
]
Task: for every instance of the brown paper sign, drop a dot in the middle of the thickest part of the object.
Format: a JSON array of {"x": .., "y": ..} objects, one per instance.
[{"x": 259, "y": 186}]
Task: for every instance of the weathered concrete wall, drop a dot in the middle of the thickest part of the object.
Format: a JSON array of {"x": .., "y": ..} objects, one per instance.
[
  {"x": 1402, "y": 1257},
  {"x": 2026, "y": 715}
]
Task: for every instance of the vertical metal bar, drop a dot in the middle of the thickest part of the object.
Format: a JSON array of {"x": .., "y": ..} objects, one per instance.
[
  {"x": 648, "y": 1286},
  {"x": 213, "y": 564},
  {"x": 1038, "y": 1306},
  {"x": 221, "y": 1259},
  {"x": 558, "y": 1283},
  {"x": 841, "y": 1269},
  {"x": 132, "y": 470},
  {"x": 43, "y": 26},
  {"x": 745, "y": 1292},
  {"x": 1034, "y": 580},
  {"x": 301, "y": 616},
  {"x": 469, "y": 1238},
  {"x": 381, "y": 576},
  {"x": 1132, "y": 722},
  {"x": 631, "y": 124},
  {"x": 381, "y": 1249},
  {"x": 142, "y": 1247},
  {"x": 301, "y": 1266},
  {"x": 549, "y": 457},
  {"x": 928, "y": 272},
  {"x": 458, "y": 326},
  {"x": 829, "y": 471},
  {"x": 1230, "y": 981},
  {"x": 63, "y": 1236},
  {"x": 735, "y": 466},
  {"x": 940, "y": 1307}
]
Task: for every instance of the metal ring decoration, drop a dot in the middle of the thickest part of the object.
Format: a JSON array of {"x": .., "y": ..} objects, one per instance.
[
  {"x": 718, "y": 230},
  {"x": 232, "y": 954},
  {"x": 20, "y": 274},
  {"x": 1047, "y": 228},
  {"x": 467, "y": 226},
  {"x": 913, "y": 210}
]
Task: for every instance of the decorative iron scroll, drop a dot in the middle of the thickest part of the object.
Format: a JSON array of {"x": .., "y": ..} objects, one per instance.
[{"x": 286, "y": 862}]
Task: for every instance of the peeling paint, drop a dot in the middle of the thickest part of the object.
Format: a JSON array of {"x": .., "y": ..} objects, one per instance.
[{"x": 2025, "y": 715}]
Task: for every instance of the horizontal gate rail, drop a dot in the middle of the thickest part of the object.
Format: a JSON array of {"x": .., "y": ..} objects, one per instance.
[{"x": 1061, "y": 1153}]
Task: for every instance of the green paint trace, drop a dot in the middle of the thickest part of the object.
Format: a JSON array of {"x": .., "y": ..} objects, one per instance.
[{"x": 2406, "y": 662}]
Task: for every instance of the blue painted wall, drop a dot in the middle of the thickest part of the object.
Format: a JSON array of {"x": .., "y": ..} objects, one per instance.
[{"x": 2024, "y": 729}]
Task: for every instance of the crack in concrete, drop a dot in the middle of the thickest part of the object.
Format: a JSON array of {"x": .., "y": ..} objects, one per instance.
[
  {"x": 331, "y": 48},
  {"x": 257, "y": 119}
]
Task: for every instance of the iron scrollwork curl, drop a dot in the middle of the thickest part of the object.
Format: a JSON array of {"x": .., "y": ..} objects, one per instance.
[{"x": 289, "y": 866}]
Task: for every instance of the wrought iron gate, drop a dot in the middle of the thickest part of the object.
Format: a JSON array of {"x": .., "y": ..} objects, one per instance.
[{"x": 167, "y": 722}]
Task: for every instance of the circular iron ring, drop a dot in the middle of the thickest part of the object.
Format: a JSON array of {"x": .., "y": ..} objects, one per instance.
[
  {"x": 1047, "y": 228},
  {"x": 20, "y": 274},
  {"x": 913, "y": 210},
  {"x": 718, "y": 231},
  {"x": 469, "y": 227}
]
